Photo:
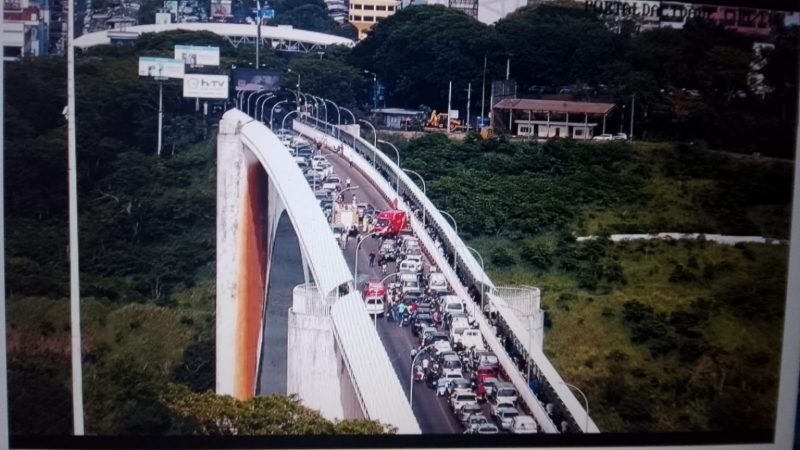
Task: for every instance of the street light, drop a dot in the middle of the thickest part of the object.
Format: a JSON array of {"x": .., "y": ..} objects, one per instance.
[
  {"x": 283, "y": 123},
  {"x": 355, "y": 263},
  {"x": 585, "y": 401},
  {"x": 530, "y": 335},
  {"x": 374, "y": 90},
  {"x": 240, "y": 99},
  {"x": 264, "y": 107},
  {"x": 297, "y": 86},
  {"x": 411, "y": 388},
  {"x": 338, "y": 116},
  {"x": 354, "y": 122},
  {"x": 374, "y": 135},
  {"x": 325, "y": 106},
  {"x": 247, "y": 103},
  {"x": 259, "y": 99},
  {"x": 272, "y": 112},
  {"x": 424, "y": 192},
  {"x": 397, "y": 182}
]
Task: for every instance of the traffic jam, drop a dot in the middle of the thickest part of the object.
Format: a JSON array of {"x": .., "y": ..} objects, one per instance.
[{"x": 451, "y": 359}]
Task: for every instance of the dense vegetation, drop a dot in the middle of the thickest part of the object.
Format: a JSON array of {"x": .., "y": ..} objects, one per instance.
[
  {"x": 689, "y": 84},
  {"x": 146, "y": 253},
  {"x": 662, "y": 336}
]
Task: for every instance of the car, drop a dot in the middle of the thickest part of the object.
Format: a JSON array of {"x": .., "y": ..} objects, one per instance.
[
  {"x": 523, "y": 424},
  {"x": 451, "y": 364},
  {"x": 505, "y": 417},
  {"x": 409, "y": 286},
  {"x": 416, "y": 260},
  {"x": 485, "y": 387},
  {"x": 338, "y": 232},
  {"x": 466, "y": 411},
  {"x": 320, "y": 160},
  {"x": 486, "y": 359},
  {"x": 442, "y": 346},
  {"x": 419, "y": 322},
  {"x": 459, "y": 399},
  {"x": 620, "y": 137},
  {"x": 437, "y": 284},
  {"x": 458, "y": 384},
  {"x": 330, "y": 185},
  {"x": 425, "y": 332},
  {"x": 436, "y": 337},
  {"x": 472, "y": 339},
  {"x": 603, "y": 137},
  {"x": 441, "y": 386},
  {"x": 452, "y": 304},
  {"x": 505, "y": 392},
  {"x": 408, "y": 266},
  {"x": 494, "y": 405},
  {"x": 487, "y": 428},
  {"x": 474, "y": 421}
]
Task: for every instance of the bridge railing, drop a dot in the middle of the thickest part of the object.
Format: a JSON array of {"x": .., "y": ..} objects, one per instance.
[
  {"x": 308, "y": 300},
  {"x": 552, "y": 383}
]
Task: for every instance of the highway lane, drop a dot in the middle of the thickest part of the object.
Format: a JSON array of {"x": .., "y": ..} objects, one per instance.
[{"x": 433, "y": 413}]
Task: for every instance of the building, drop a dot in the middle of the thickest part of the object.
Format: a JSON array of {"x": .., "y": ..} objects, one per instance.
[
  {"x": 396, "y": 118},
  {"x": 25, "y": 29},
  {"x": 364, "y": 14},
  {"x": 545, "y": 119}
]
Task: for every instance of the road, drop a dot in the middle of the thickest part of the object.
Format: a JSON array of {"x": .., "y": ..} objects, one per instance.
[{"x": 432, "y": 412}]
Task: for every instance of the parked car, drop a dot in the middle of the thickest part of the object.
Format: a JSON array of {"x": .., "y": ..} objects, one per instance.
[
  {"x": 620, "y": 137},
  {"x": 472, "y": 339},
  {"x": 487, "y": 428},
  {"x": 486, "y": 359},
  {"x": 437, "y": 284},
  {"x": 505, "y": 392},
  {"x": 494, "y": 405},
  {"x": 603, "y": 137},
  {"x": 523, "y": 424},
  {"x": 458, "y": 384},
  {"x": 475, "y": 421},
  {"x": 451, "y": 364}
]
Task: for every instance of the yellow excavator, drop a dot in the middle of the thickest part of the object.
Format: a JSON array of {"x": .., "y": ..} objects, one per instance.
[{"x": 439, "y": 120}]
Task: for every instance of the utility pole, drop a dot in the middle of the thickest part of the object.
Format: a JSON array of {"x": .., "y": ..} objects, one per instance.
[
  {"x": 4, "y": 440},
  {"x": 449, "y": 98},
  {"x": 74, "y": 273},
  {"x": 160, "y": 114},
  {"x": 483, "y": 91},
  {"x": 469, "y": 97},
  {"x": 258, "y": 30},
  {"x": 633, "y": 105},
  {"x": 508, "y": 68}
]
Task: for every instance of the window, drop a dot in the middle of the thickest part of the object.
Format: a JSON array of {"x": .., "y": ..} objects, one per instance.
[
  {"x": 381, "y": 8},
  {"x": 369, "y": 18},
  {"x": 391, "y": 8},
  {"x": 357, "y": 6},
  {"x": 357, "y": 18},
  {"x": 578, "y": 132},
  {"x": 369, "y": 7}
]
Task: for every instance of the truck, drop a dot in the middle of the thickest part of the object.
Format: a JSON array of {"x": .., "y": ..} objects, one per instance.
[{"x": 390, "y": 223}]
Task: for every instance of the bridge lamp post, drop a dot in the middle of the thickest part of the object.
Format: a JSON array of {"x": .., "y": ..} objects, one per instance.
[
  {"x": 585, "y": 401},
  {"x": 424, "y": 192},
  {"x": 338, "y": 116},
  {"x": 324, "y": 106},
  {"x": 483, "y": 269},
  {"x": 264, "y": 107},
  {"x": 354, "y": 122},
  {"x": 411, "y": 388},
  {"x": 247, "y": 102},
  {"x": 297, "y": 93},
  {"x": 374, "y": 90},
  {"x": 355, "y": 263},
  {"x": 259, "y": 99},
  {"x": 283, "y": 123},
  {"x": 374, "y": 137},
  {"x": 397, "y": 182},
  {"x": 272, "y": 112},
  {"x": 455, "y": 225},
  {"x": 240, "y": 98}
]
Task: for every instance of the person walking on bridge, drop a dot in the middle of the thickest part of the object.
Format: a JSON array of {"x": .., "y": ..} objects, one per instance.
[
  {"x": 371, "y": 259},
  {"x": 347, "y": 181}
]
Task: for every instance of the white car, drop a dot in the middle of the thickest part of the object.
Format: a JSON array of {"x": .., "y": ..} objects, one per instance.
[
  {"x": 457, "y": 327},
  {"x": 505, "y": 417},
  {"x": 438, "y": 283},
  {"x": 452, "y": 305},
  {"x": 496, "y": 406},
  {"x": 451, "y": 364},
  {"x": 603, "y": 137},
  {"x": 505, "y": 393},
  {"x": 620, "y": 137},
  {"x": 459, "y": 399},
  {"x": 523, "y": 425},
  {"x": 374, "y": 306},
  {"x": 471, "y": 338},
  {"x": 415, "y": 261}
]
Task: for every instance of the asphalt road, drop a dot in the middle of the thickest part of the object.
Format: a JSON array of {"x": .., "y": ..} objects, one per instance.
[
  {"x": 286, "y": 273},
  {"x": 433, "y": 413}
]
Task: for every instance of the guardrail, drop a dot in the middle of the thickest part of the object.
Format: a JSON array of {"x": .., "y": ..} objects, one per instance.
[{"x": 387, "y": 189}]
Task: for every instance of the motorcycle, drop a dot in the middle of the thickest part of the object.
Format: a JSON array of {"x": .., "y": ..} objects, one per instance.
[
  {"x": 406, "y": 320},
  {"x": 419, "y": 375}
]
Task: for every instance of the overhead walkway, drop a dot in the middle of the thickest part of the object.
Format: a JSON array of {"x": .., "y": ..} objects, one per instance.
[{"x": 282, "y": 38}]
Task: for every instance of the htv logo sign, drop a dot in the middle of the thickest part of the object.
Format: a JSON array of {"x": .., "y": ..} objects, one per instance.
[{"x": 205, "y": 86}]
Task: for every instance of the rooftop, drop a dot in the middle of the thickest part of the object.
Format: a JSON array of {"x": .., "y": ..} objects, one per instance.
[{"x": 557, "y": 106}]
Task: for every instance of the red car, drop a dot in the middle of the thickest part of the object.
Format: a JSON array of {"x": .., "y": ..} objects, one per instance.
[{"x": 485, "y": 387}]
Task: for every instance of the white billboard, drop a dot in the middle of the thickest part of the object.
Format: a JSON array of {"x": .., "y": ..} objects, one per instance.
[
  {"x": 150, "y": 66},
  {"x": 197, "y": 56},
  {"x": 205, "y": 86}
]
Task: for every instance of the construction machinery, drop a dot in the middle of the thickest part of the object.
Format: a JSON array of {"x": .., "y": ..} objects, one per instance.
[{"x": 439, "y": 120}]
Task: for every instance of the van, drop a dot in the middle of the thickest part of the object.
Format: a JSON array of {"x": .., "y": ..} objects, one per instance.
[
  {"x": 408, "y": 266},
  {"x": 437, "y": 283},
  {"x": 453, "y": 305},
  {"x": 374, "y": 295}
]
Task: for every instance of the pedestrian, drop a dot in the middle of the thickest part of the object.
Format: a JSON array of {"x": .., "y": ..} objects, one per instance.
[
  {"x": 347, "y": 181},
  {"x": 351, "y": 161},
  {"x": 354, "y": 200},
  {"x": 371, "y": 258},
  {"x": 383, "y": 268}
]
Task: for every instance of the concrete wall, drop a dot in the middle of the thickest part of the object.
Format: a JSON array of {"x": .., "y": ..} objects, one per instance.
[{"x": 313, "y": 370}]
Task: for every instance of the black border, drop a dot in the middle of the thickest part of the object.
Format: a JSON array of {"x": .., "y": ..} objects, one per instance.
[{"x": 398, "y": 441}]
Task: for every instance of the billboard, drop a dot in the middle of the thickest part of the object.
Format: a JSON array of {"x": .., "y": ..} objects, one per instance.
[
  {"x": 150, "y": 66},
  {"x": 197, "y": 56},
  {"x": 256, "y": 80},
  {"x": 221, "y": 9},
  {"x": 205, "y": 86}
]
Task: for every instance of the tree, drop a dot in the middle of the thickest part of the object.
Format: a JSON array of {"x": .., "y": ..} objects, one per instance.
[{"x": 211, "y": 414}]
